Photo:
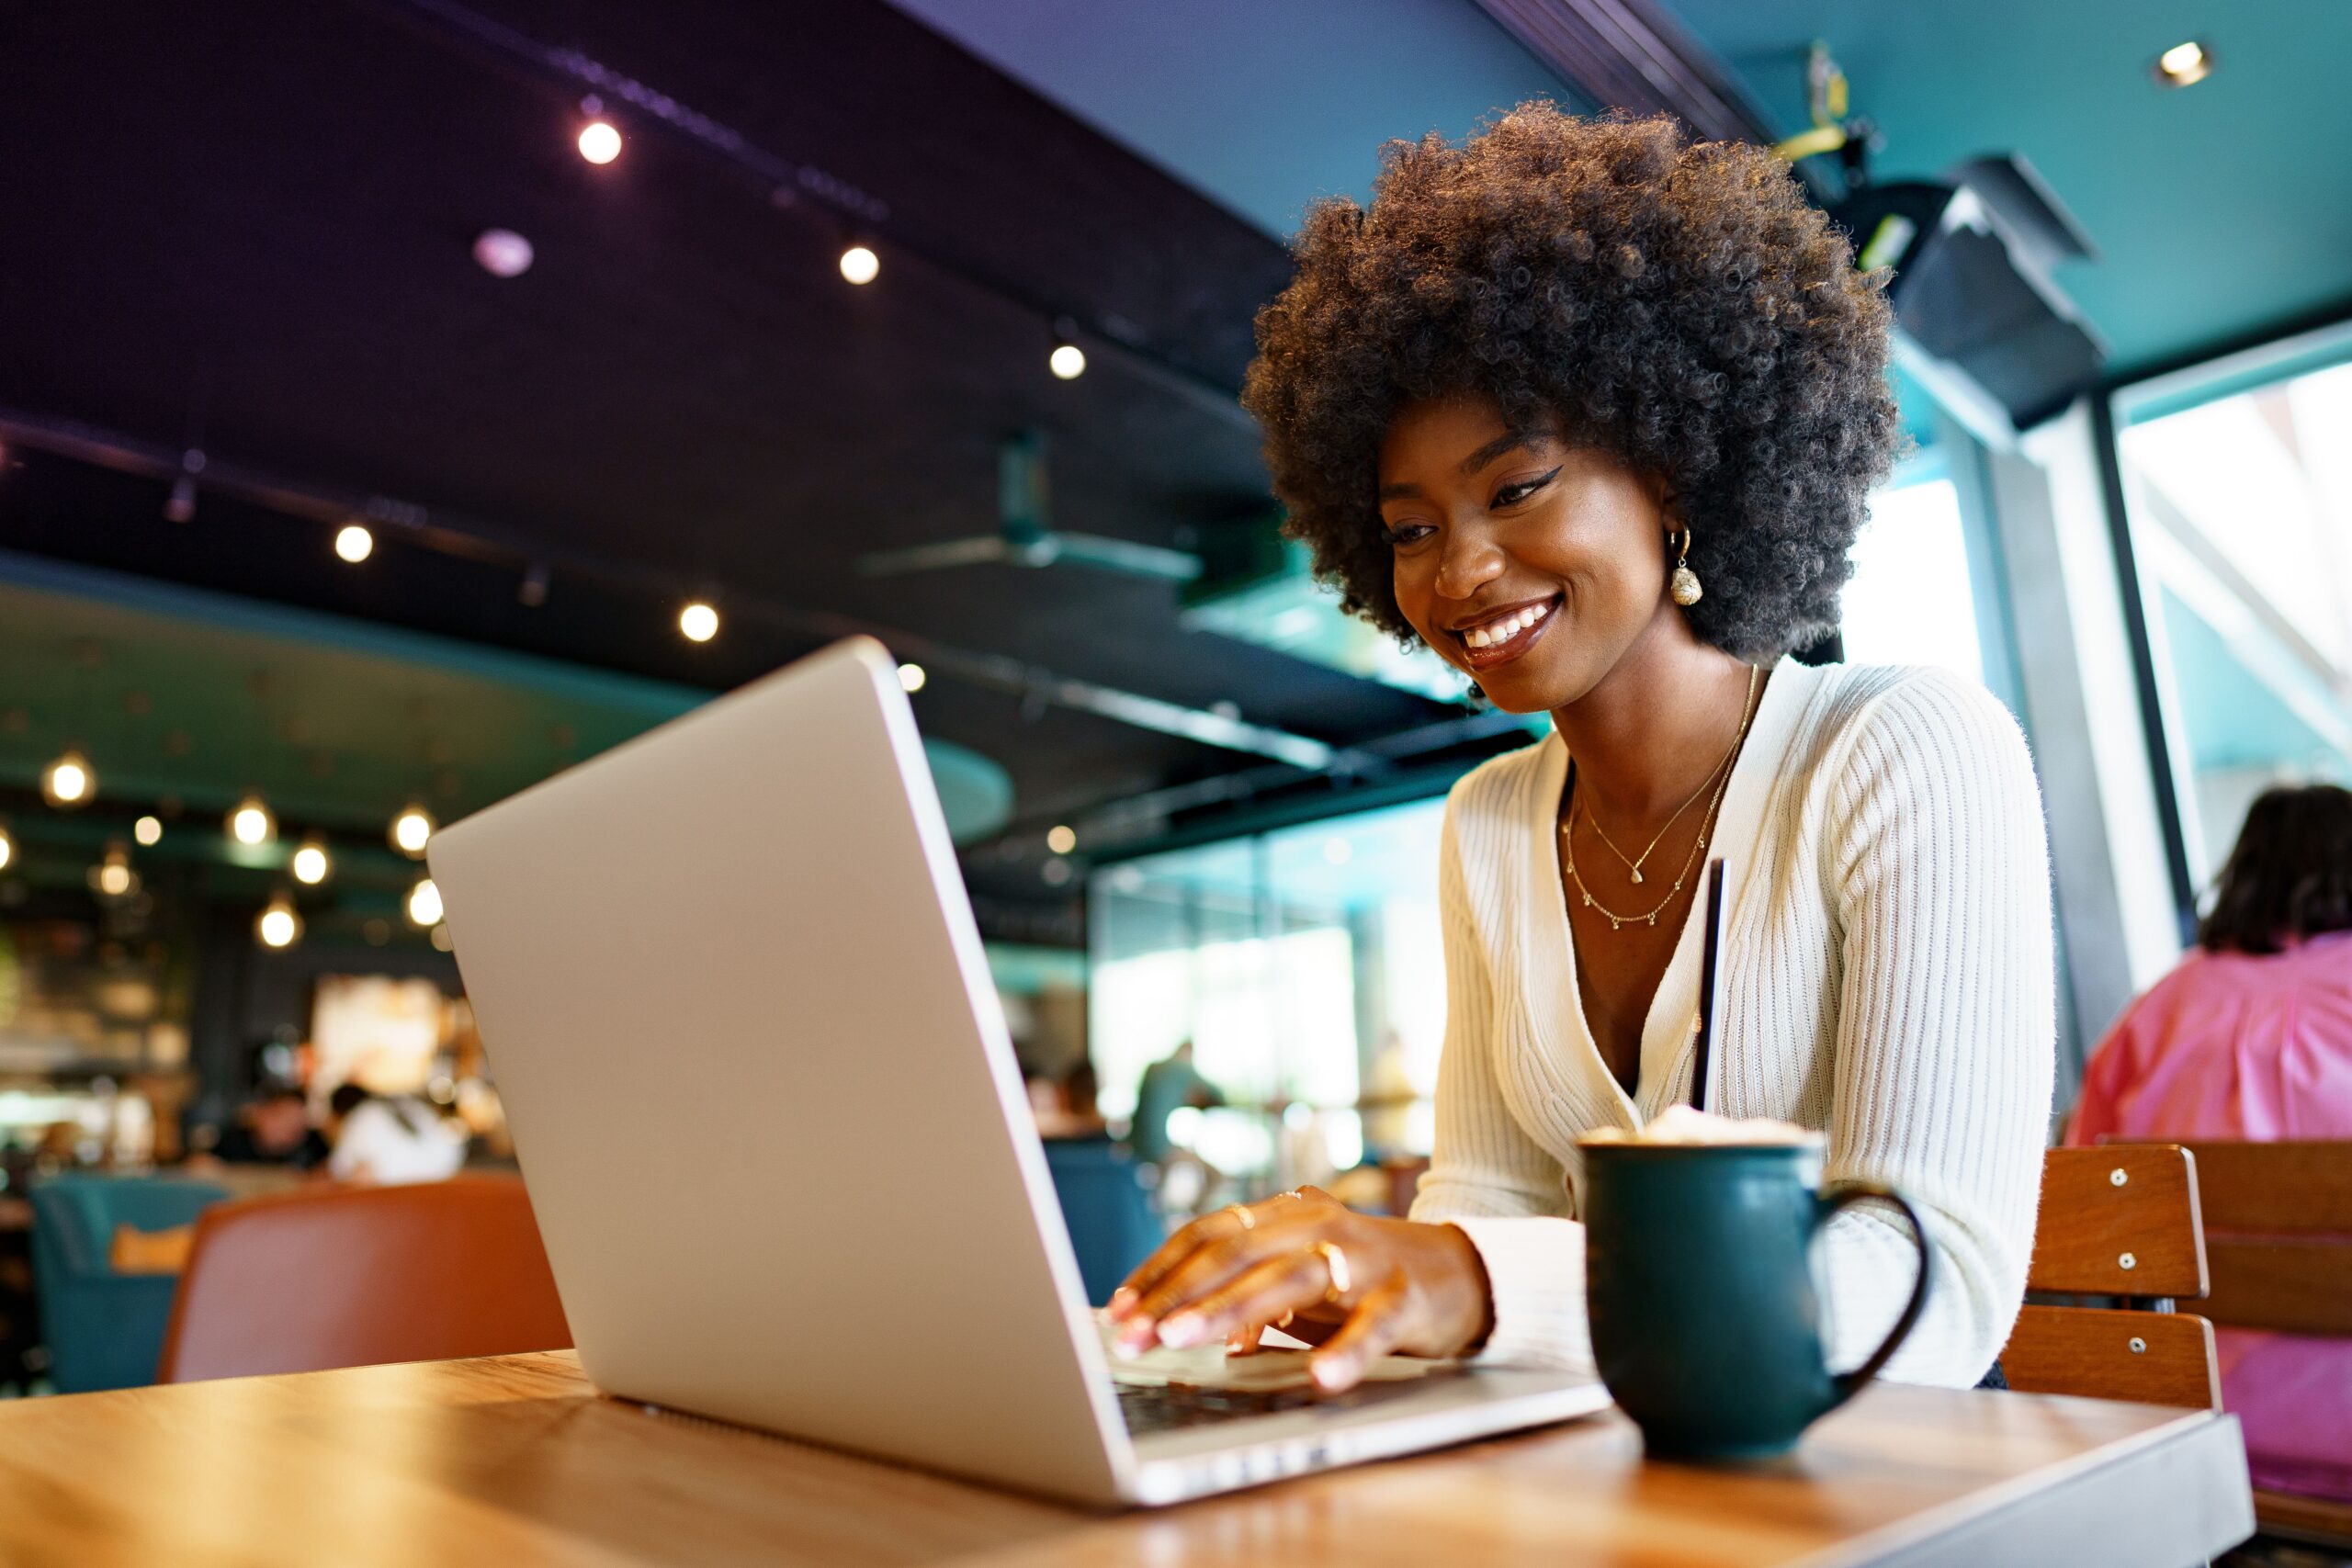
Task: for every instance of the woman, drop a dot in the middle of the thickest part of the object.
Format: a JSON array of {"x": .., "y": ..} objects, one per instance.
[
  {"x": 1594, "y": 415},
  {"x": 2251, "y": 1039}
]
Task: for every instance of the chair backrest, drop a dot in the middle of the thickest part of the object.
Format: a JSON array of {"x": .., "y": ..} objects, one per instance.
[
  {"x": 1112, "y": 1227},
  {"x": 2119, "y": 1221},
  {"x": 351, "y": 1277},
  {"x": 74, "y": 1216},
  {"x": 2279, "y": 1234}
]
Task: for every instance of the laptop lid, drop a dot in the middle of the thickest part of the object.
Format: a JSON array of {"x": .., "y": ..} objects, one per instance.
[{"x": 762, "y": 1094}]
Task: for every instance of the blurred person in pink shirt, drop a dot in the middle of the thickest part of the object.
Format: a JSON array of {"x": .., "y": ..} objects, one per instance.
[{"x": 2250, "y": 1038}]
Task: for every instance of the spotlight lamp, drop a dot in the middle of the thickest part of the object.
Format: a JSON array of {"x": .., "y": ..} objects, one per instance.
[
  {"x": 698, "y": 622},
  {"x": 2183, "y": 64},
  {"x": 353, "y": 543},
  {"x": 424, "y": 905},
  {"x": 279, "y": 925},
  {"x": 312, "y": 864},
  {"x": 70, "y": 782},
  {"x": 860, "y": 265},
  {"x": 412, "y": 830},
  {"x": 599, "y": 142},
  {"x": 251, "y": 823}
]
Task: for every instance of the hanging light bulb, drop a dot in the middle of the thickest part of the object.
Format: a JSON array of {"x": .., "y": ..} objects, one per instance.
[
  {"x": 912, "y": 677},
  {"x": 312, "y": 864},
  {"x": 69, "y": 782},
  {"x": 8, "y": 847},
  {"x": 148, "y": 831},
  {"x": 251, "y": 823},
  {"x": 1067, "y": 361},
  {"x": 860, "y": 265},
  {"x": 599, "y": 142},
  {"x": 698, "y": 621},
  {"x": 412, "y": 830},
  {"x": 353, "y": 543},
  {"x": 112, "y": 876},
  {"x": 279, "y": 925},
  {"x": 425, "y": 904}
]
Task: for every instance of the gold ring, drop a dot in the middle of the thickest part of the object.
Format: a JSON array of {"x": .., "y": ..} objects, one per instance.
[
  {"x": 1283, "y": 1321},
  {"x": 1240, "y": 1211},
  {"x": 1336, "y": 1262}
]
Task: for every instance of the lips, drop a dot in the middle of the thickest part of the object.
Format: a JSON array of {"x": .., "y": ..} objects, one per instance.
[{"x": 1503, "y": 637}]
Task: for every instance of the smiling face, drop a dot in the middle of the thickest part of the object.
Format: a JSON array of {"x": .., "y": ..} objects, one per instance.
[{"x": 1531, "y": 563}]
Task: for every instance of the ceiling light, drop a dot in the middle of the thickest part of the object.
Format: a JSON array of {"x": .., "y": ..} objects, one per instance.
[
  {"x": 425, "y": 904},
  {"x": 312, "y": 864},
  {"x": 355, "y": 543},
  {"x": 599, "y": 142},
  {"x": 112, "y": 876},
  {"x": 912, "y": 677},
  {"x": 2183, "y": 64},
  {"x": 412, "y": 830},
  {"x": 148, "y": 831},
  {"x": 860, "y": 265},
  {"x": 8, "y": 848},
  {"x": 69, "y": 782},
  {"x": 698, "y": 621},
  {"x": 279, "y": 926},
  {"x": 250, "y": 822},
  {"x": 1067, "y": 361},
  {"x": 502, "y": 253},
  {"x": 1061, "y": 840}
]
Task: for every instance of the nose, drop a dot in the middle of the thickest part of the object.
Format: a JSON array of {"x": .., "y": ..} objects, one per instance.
[{"x": 1470, "y": 561}]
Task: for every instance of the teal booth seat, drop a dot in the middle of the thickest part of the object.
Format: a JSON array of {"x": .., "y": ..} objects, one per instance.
[
  {"x": 1113, "y": 1226},
  {"x": 105, "y": 1329}
]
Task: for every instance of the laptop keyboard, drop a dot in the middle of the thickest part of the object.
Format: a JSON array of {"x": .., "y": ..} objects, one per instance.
[{"x": 1163, "y": 1407}]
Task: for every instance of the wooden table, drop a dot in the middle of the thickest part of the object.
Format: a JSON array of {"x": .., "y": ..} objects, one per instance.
[{"x": 516, "y": 1460}]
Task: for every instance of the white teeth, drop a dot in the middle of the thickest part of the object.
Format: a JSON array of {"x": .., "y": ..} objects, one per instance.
[
  {"x": 1476, "y": 637},
  {"x": 1495, "y": 633}
]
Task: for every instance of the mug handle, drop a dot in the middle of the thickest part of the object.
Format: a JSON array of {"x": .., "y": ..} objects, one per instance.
[{"x": 1847, "y": 1385}]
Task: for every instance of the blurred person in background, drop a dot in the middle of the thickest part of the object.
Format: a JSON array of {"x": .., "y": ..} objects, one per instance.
[
  {"x": 2250, "y": 1039},
  {"x": 390, "y": 1139},
  {"x": 1167, "y": 1087},
  {"x": 273, "y": 1128}
]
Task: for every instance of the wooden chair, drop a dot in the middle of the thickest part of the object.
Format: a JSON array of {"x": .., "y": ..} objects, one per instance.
[
  {"x": 2278, "y": 1246},
  {"x": 2119, "y": 1221}
]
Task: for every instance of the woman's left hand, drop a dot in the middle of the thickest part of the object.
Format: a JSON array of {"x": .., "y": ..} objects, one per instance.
[{"x": 1396, "y": 1286}]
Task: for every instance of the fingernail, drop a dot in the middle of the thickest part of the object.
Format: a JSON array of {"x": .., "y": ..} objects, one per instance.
[
  {"x": 1136, "y": 1336},
  {"x": 1330, "y": 1372},
  {"x": 1123, "y": 1301},
  {"x": 1184, "y": 1330}
]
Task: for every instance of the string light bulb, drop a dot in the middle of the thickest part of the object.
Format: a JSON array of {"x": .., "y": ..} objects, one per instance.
[
  {"x": 698, "y": 622},
  {"x": 599, "y": 142},
  {"x": 911, "y": 678},
  {"x": 412, "y": 830},
  {"x": 112, "y": 876},
  {"x": 353, "y": 543},
  {"x": 860, "y": 265},
  {"x": 250, "y": 822},
  {"x": 312, "y": 864},
  {"x": 70, "y": 782},
  {"x": 279, "y": 925},
  {"x": 424, "y": 905},
  {"x": 148, "y": 831}
]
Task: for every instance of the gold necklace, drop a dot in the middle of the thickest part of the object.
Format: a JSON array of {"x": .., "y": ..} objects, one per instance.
[
  {"x": 1633, "y": 864},
  {"x": 1649, "y": 918}
]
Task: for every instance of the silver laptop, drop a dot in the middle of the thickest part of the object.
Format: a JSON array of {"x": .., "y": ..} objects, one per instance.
[{"x": 771, "y": 1121}]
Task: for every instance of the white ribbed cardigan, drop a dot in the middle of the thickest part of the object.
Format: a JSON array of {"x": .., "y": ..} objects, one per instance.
[{"x": 1888, "y": 982}]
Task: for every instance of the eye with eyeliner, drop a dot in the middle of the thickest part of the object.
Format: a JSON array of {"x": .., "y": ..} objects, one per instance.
[{"x": 1512, "y": 494}]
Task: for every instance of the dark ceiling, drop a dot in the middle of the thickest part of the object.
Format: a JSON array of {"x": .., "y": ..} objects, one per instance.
[{"x": 247, "y": 229}]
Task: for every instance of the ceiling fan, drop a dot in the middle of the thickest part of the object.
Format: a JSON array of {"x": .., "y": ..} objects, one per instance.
[{"x": 1025, "y": 535}]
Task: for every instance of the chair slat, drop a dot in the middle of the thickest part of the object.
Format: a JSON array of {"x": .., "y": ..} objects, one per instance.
[
  {"x": 2289, "y": 1284},
  {"x": 2087, "y": 1352},
  {"x": 2138, "y": 1236},
  {"x": 2313, "y": 1519},
  {"x": 2275, "y": 1187}
]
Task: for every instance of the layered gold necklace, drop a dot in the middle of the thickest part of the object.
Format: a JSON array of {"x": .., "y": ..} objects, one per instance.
[{"x": 1719, "y": 778}]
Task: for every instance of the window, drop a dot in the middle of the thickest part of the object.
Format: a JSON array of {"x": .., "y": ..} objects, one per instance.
[{"x": 1911, "y": 598}]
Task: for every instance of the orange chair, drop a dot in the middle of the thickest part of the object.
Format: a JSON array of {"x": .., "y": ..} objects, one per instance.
[{"x": 355, "y": 1276}]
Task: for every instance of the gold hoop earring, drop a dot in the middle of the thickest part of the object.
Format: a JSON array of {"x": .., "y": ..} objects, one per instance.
[{"x": 1685, "y": 586}]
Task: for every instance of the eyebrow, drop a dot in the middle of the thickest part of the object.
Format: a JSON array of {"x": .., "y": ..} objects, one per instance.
[{"x": 1510, "y": 440}]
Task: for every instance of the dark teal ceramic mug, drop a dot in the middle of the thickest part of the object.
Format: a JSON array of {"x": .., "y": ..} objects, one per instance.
[{"x": 1705, "y": 1323}]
